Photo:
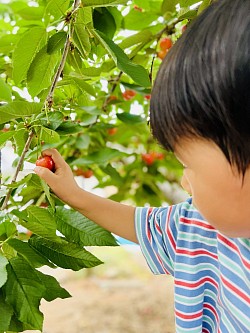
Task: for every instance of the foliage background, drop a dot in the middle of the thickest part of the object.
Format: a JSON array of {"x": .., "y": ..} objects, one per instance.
[{"x": 65, "y": 69}]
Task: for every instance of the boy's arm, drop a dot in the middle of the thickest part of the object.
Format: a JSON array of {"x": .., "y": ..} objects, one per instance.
[{"x": 113, "y": 216}]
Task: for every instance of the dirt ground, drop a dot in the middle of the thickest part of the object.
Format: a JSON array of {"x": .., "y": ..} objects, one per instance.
[{"x": 121, "y": 296}]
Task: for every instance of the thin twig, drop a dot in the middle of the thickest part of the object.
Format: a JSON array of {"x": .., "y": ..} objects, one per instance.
[
  {"x": 19, "y": 166},
  {"x": 49, "y": 101}
]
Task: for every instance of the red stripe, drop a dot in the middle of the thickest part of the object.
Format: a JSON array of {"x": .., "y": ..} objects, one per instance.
[
  {"x": 189, "y": 316},
  {"x": 211, "y": 308},
  {"x": 197, "y": 223},
  {"x": 205, "y": 330},
  {"x": 169, "y": 231},
  {"x": 237, "y": 291},
  {"x": 236, "y": 249},
  {"x": 148, "y": 231},
  {"x": 194, "y": 253},
  {"x": 199, "y": 283}
]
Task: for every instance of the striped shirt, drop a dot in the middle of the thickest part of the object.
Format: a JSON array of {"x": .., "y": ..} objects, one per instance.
[{"x": 211, "y": 271}]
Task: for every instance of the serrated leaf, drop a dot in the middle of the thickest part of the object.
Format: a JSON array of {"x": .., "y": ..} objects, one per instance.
[
  {"x": 47, "y": 193},
  {"x": 5, "y": 136},
  {"x": 103, "y": 3},
  {"x": 136, "y": 72},
  {"x": 138, "y": 38},
  {"x": 24, "y": 292},
  {"x": 84, "y": 86},
  {"x": 129, "y": 118},
  {"x": 168, "y": 6},
  {"x": 186, "y": 13},
  {"x": 81, "y": 36},
  {"x": 7, "y": 228},
  {"x": 20, "y": 138},
  {"x": 53, "y": 289},
  {"x": 57, "y": 8},
  {"x": 64, "y": 254},
  {"x": 27, "y": 48},
  {"x": 204, "y": 5},
  {"x": 41, "y": 71},
  {"x": 18, "y": 109},
  {"x": 101, "y": 157},
  {"x": 56, "y": 42},
  {"x": 24, "y": 180},
  {"x": 51, "y": 119},
  {"x": 3, "y": 272},
  {"x": 5, "y": 91},
  {"x": 41, "y": 222},
  {"x": 6, "y": 314},
  {"x": 79, "y": 229},
  {"x": 104, "y": 22},
  {"x": 68, "y": 127},
  {"x": 34, "y": 258},
  {"x": 48, "y": 135}
]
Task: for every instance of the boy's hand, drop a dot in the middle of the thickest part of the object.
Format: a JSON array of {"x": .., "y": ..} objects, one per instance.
[{"x": 61, "y": 181}]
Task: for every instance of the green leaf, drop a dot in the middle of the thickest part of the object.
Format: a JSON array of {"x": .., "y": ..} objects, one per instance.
[
  {"x": 64, "y": 254},
  {"x": 47, "y": 193},
  {"x": 104, "y": 22},
  {"x": 27, "y": 48},
  {"x": 168, "y": 6},
  {"x": 34, "y": 258},
  {"x": 79, "y": 229},
  {"x": 7, "y": 229},
  {"x": 41, "y": 222},
  {"x": 24, "y": 292},
  {"x": 53, "y": 289},
  {"x": 3, "y": 272},
  {"x": 80, "y": 35},
  {"x": 56, "y": 42},
  {"x": 129, "y": 118},
  {"x": 18, "y": 109},
  {"x": 136, "y": 20},
  {"x": 5, "y": 136},
  {"x": 103, "y": 3},
  {"x": 186, "y": 13},
  {"x": 32, "y": 13},
  {"x": 5, "y": 91},
  {"x": 41, "y": 71},
  {"x": 136, "y": 72},
  {"x": 6, "y": 314},
  {"x": 84, "y": 86},
  {"x": 48, "y": 135},
  {"x": 57, "y": 8},
  {"x": 103, "y": 156},
  {"x": 68, "y": 127},
  {"x": 51, "y": 119},
  {"x": 204, "y": 5}
]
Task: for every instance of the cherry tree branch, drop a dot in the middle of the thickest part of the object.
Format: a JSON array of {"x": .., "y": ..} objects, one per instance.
[{"x": 48, "y": 101}]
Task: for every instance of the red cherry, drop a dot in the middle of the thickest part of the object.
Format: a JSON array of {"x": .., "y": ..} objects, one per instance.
[
  {"x": 184, "y": 28},
  {"x": 166, "y": 43},
  {"x": 46, "y": 162},
  {"x": 112, "y": 131},
  {"x": 161, "y": 54},
  {"x": 88, "y": 173},
  {"x": 148, "y": 158},
  {"x": 147, "y": 96},
  {"x": 128, "y": 94}
]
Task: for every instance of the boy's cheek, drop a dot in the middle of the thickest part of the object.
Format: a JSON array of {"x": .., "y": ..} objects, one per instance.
[{"x": 185, "y": 185}]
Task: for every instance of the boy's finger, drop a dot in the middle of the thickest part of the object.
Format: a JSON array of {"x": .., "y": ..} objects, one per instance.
[{"x": 45, "y": 174}]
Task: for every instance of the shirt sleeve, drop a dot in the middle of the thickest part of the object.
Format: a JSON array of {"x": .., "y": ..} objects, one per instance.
[{"x": 157, "y": 231}]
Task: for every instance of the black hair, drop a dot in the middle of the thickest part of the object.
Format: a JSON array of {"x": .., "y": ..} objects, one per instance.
[{"x": 202, "y": 88}]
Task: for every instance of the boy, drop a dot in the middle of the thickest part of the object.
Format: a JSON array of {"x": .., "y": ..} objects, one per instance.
[{"x": 200, "y": 109}]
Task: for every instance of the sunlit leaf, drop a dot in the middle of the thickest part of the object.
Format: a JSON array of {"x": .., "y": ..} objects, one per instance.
[{"x": 26, "y": 49}]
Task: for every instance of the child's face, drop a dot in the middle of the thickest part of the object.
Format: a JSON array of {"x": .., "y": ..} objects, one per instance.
[{"x": 216, "y": 188}]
